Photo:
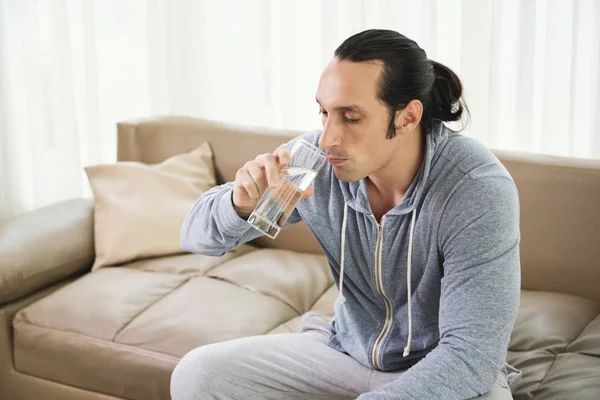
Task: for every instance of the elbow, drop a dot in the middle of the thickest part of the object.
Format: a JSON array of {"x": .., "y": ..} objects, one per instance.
[
  {"x": 186, "y": 245},
  {"x": 192, "y": 243},
  {"x": 487, "y": 373},
  {"x": 480, "y": 367},
  {"x": 480, "y": 374},
  {"x": 185, "y": 239},
  {"x": 485, "y": 379}
]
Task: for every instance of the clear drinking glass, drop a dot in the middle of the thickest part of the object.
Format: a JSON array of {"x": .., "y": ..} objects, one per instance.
[{"x": 276, "y": 205}]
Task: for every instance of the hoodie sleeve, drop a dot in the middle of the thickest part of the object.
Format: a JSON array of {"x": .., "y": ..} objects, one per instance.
[
  {"x": 213, "y": 227},
  {"x": 479, "y": 238}
]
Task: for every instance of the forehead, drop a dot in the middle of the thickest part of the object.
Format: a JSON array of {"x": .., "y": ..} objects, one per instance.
[{"x": 345, "y": 82}]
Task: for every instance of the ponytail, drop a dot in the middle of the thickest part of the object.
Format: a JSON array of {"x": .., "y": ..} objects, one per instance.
[{"x": 447, "y": 103}]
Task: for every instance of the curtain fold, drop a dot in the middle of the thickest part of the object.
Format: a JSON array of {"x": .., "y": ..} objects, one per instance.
[{"x": 71, "y": 69}]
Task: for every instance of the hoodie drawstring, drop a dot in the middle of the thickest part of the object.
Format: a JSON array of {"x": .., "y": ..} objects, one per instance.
[
  {"x": 341, "y": 297},
  {"x": 408, "y": 288}
]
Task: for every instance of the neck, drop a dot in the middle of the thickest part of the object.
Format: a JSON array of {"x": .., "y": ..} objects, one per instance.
[{"x": 389, "y": 184}]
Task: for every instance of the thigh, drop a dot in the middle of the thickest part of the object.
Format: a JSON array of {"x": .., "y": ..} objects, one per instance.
[{"x": 290, "y": 366}]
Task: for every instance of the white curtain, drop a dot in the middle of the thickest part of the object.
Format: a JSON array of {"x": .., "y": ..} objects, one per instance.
[{"x": 71, "y": 69}]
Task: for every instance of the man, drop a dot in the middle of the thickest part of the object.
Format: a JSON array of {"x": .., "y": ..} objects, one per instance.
[{"x": 427, "y": 221}]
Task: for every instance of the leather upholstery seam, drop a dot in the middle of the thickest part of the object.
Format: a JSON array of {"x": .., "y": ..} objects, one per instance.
[
  {"x": 140, "y": 312},
  {"x": 250, "y": 289},
  {"x": 564, "y": 351},
  {"x": 580, "y": 332},
  {"x": 544, "y": 377},
  {"x": 103, "y": 341}
]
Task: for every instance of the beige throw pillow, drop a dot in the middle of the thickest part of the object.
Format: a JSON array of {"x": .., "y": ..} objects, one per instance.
[{"x": 139, "y": 208}]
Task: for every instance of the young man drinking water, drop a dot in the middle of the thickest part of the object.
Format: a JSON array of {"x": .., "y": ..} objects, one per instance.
[{"x": 420, "y": 226}]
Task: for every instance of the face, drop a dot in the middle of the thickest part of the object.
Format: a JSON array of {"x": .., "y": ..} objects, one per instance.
[{"x": 355, "y": 121}]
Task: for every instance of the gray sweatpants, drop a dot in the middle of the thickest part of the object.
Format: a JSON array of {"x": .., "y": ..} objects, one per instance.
[{"x": 285, "y": 366}]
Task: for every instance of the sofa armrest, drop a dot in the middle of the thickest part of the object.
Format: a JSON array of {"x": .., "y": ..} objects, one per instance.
[{"x": 45, "y": 246}]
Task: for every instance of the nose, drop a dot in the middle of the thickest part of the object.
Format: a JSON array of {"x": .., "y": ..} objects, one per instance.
[{"x": 331, "y": 136}]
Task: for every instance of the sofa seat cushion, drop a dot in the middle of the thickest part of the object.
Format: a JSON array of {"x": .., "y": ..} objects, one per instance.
[
  {"x": 188, "y": 264},
  {"x": 323, "y": 306},
  {"x": 555, "y": 339},
  {"x": 121, "y": 331}
]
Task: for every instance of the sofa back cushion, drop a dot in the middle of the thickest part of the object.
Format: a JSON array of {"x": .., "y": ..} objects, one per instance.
[{"x": 139, "y": 208}]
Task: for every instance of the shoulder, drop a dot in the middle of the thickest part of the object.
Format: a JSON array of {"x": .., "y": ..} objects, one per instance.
[
  {"x": 473, "y": 169},
  {"x": 481, "y": 187},
  {"x": 471, "y": 157},
  {"x": 465, "y": 173}
]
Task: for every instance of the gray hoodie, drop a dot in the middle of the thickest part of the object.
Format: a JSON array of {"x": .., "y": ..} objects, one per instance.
[{"x": 433, "y": 288}]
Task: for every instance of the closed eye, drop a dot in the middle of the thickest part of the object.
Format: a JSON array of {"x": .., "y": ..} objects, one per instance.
[{"x": 346, "y": 120}]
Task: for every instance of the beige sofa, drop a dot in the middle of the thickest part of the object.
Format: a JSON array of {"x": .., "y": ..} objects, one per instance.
[{"x": 66, "y": 333}]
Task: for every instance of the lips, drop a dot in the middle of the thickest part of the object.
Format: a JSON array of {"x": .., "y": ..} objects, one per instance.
[{"x": 335, "y": 161}]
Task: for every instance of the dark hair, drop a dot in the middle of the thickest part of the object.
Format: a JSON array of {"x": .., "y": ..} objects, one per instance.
[{"x": 407, "y": 74}]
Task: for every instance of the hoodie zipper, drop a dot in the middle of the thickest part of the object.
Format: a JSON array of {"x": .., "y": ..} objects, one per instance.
[{"x": 388, "y": 303}]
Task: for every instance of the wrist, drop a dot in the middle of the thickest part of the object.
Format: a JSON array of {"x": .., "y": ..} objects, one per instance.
[{"x": 242, "y": 212}]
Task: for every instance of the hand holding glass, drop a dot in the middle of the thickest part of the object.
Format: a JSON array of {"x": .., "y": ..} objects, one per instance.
[{"x": 277, "y": 204}]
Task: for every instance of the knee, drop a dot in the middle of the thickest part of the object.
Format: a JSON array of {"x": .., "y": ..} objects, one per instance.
[{"x": 196, "y": 375}]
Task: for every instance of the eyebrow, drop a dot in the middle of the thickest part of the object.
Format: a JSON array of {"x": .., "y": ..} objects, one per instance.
[{"x": 351, "y": 107}]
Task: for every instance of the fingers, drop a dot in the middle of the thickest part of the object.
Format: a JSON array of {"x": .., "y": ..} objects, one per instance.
[
  {"x": 283, "y": 156},
  {"x": 257, "y": 176},
  {"x": 271, "y": 167},
  {"x": 245, "y": 180}
]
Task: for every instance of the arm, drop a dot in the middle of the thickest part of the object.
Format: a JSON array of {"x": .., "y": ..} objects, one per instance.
[
  {"x": 479, "y": 238},
  {"x": 45, "y": 246},
  {"x": 213, "y": 227}
]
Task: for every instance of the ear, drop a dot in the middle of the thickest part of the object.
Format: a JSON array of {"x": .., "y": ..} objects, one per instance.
[{"x": 409, "y": 118}]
